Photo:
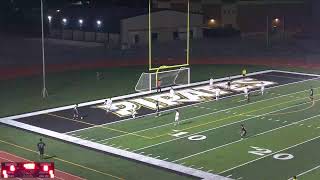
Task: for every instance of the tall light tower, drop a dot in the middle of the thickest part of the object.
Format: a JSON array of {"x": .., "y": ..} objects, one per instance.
[{"x": 44, "y": 89}]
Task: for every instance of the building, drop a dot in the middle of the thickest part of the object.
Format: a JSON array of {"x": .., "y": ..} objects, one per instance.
[
  {"x": 248, "y": 16},
  {"x": 121, "y": 26},
  {"x": 90, "y": 24},
  {"x": 166, "y": 25}
]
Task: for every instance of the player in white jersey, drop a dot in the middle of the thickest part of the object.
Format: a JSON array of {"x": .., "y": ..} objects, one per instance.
[
  {"x": 246, "y": 93},
  {"x": 133, "y": 112},
  {"x": 176, "y": 118},
  {"x": 211, "y": 83},
  {"x": 108, "y": 104},
  {"x": 171, "y": 93},
  {"x": 75, "y": 112},
  {"x": 262, "y": 88},
  {"x": 218, "y": 93}
]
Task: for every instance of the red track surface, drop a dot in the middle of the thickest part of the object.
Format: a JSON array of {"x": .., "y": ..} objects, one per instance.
[
  {"x": 14, "y": 71},
  {"x": 59, "y": 175}
]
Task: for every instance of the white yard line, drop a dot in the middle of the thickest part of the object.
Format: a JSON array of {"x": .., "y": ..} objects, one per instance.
[
  {"x": 146, "y": 147},
  {"x": 203, "y": 115},
  {"x": 241, "y": 140},
  {"x": 306, "y": 172},
  {"x": 172, "y": 109},
  {"x": 290, "y": 147}
]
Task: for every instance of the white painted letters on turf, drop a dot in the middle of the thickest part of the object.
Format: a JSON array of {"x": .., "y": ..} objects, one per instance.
[{"x": 192, "y": 95}]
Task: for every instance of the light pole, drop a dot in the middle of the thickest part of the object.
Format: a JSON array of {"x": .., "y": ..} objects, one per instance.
[
  {"x": 44, "y": 89},
  {"x": 80, "y": 21},
  {"x": 64, "y": 23},
  {"x": 99, "y": 24}
]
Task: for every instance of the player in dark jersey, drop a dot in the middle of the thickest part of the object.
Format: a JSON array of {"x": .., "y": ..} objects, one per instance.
[
  {"x": 311, "y": 94},
  {"x": 158, "y": 109},
  {"x": 229, "y": 83},
  {"x": 243, "y": 131},
  {"x": 41, "y": 145}
]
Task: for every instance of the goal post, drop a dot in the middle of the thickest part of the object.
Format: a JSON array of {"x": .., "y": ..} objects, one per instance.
[{"x": 148, "y": 81}]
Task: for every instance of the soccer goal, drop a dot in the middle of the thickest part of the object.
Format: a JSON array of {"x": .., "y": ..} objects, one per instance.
[{"x": 148, "y": 81}]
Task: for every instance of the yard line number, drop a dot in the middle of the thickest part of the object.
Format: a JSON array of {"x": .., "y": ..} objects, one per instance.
[
  {"x": 191, "y": 138},
  {"x": 263, "y": 152}
]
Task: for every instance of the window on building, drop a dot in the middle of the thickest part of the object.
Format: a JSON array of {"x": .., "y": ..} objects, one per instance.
[
  {"x": 191, "y": 34},
  {"x": 136, "y": 39},
  {"x": 175, "y": 35},
  {"x": 154, "y": 36}
]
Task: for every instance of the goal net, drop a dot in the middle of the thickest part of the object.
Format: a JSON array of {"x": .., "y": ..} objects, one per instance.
[{"x": 148, "y": 81}]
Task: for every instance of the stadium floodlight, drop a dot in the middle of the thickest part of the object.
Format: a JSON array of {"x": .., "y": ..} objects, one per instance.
[
  {"x": 64, "y": 21},
  {"x": 276, "y": 20},
  {"x": 212, "y": 20},
  {"x": 80, "y": 22},
  {"x": 49, "y": 18},
  {"x": 58, "y": 10},
  {"x": 99, "y": 22}
]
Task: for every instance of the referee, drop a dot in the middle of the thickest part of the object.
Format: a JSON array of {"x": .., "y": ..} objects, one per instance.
[
  {"x": 244, "y": 73},
  {"x": 41, "y": 145}
]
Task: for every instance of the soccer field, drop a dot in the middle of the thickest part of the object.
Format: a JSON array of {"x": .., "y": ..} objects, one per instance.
[{"x": 283, "y": 130}]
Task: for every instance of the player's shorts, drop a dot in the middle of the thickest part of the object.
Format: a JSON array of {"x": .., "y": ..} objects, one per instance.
[
  {"x": 177, "y": 119},
  {"x": 41, "y": 151}
]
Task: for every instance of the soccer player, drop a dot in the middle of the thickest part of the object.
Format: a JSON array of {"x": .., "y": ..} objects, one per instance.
[
  {"x": 262, "y": 88},
  {"x": 108, "y": 104},
  {"x": 218, "y": 93},
  {"x": 311, "y": 94},
  {"x": 171, "y": 93},
  {"x": 244, "y": 73},
  {"x": 229, "y": 83},
  {"x": 211, "y": 83},
  {"x": 41, "y": 145},
  {"x": 75, "y": 112},
  {"x": 294, "y": 178},
  {"x": 176, "y": 119},
  {"x": 243, "y": 132},
  {"x": 246, "y": 93},
  {"x": 159, "y": 85},
  {"x": 157, "y": 109},
  {"x": 133, "y": 112}
]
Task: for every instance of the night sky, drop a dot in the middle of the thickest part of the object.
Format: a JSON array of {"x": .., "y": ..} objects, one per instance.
[{"x": 23, "y": 15}]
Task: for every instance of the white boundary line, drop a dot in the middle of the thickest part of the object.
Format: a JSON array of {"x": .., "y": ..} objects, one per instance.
[
  {"x": 306, "y": 172},
  {"x": 146, "y": 147},
  {"x": 241, "y": 140},
  {"x": 194, "y": 104},
  {"x": 130, "y": 155},
  {"x": 199, "y": 116},
  {"x": 115, "y": 151},
  {"x": 249, "y": 162}
]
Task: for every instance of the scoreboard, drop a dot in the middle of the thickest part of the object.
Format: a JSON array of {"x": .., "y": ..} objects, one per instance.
[{"x": 27, "y": 170}]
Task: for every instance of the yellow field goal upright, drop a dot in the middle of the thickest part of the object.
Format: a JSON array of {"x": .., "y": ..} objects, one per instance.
[{"x": 169, "y": 75}]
